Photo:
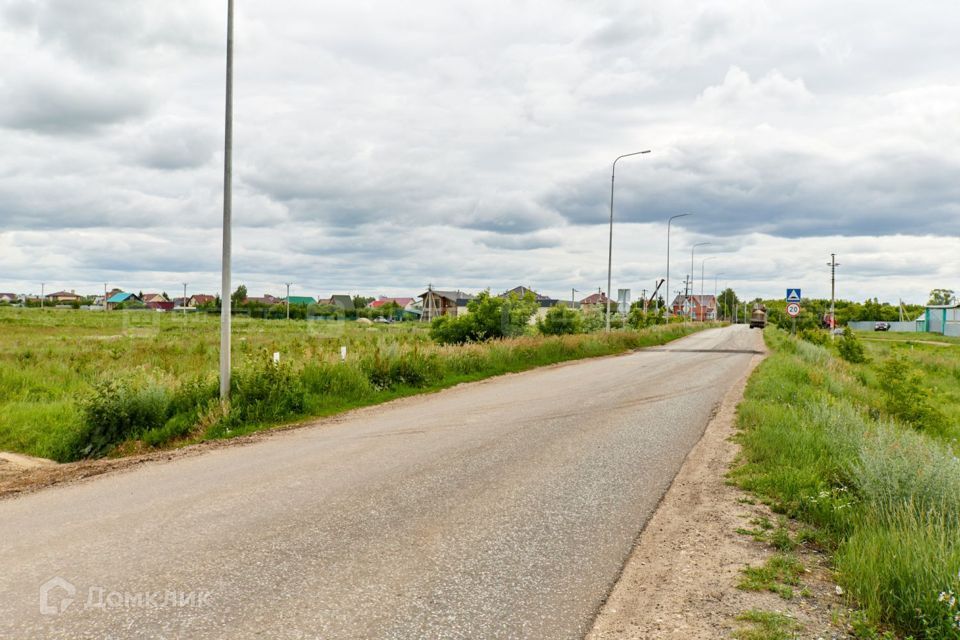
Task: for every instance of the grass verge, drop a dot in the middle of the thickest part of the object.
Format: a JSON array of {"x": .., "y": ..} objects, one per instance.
[
  {"x": 160, "y": 402},
  {"x": 824, "y": 442}
]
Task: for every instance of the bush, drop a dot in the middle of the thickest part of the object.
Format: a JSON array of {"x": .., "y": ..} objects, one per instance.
[
  {"x": 265, "y": 391},
  {"x": 387, "y": 369},
  {"x": 906, "y": 397},
  {"x": 815, "y": 336},
  {"x": 850, "y": 348},
  {"x": 490, "y": 317},
  {"x": 118, "y": 410},
  {"x": 640, "y": 319},
  {"x": 561, "y": 321}
]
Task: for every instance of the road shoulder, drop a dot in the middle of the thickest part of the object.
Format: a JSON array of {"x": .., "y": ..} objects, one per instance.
[{"x": 681, "y": 579}]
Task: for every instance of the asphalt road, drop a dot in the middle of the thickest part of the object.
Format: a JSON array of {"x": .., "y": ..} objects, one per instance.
[{"x": 501, "y": 509}]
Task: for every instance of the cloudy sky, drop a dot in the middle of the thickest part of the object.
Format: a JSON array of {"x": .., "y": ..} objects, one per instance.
[{"x": 381, "y": 146}]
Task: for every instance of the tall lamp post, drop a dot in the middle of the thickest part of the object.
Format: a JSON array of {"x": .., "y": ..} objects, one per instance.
[
  {"x": 693, "y": 250},
  {"x": 613, "y": 175},
  {"x": 702, "y": 263},
  {"x": 227, "y": 212},
  {"x": 672, "y": 218},
  {"x": 715, "y": 278}
]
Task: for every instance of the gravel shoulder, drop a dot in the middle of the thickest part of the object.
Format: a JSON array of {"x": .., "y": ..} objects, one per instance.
[{"x": 681, "y": 578}]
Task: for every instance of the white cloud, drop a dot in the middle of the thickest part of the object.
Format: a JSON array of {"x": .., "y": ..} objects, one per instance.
[{"x": 382, "y": 146}]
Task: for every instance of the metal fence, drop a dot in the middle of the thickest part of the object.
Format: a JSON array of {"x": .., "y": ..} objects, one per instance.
[{"x": 894, "y": 326}]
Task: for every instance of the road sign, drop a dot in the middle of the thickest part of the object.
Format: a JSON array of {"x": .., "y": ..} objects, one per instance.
[
  {"x": 793, "y": 295},
  {"x": 793, "y": 309}
]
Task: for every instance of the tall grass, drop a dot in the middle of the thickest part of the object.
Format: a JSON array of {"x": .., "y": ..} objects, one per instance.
[
  {"x": 821, "y": 445},
  {"x": 77, "y": 384}
]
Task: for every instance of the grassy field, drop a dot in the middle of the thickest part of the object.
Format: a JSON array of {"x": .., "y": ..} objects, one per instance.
[
  {"x": 866, "y": 453},
  {"x": 78, "y": 384}
]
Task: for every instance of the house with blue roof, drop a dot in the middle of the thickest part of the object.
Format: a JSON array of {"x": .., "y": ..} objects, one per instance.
[{"x": 122, "y": 297}]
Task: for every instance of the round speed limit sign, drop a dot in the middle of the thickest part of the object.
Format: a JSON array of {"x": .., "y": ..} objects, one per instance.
[{"x": 793, "y": 309}]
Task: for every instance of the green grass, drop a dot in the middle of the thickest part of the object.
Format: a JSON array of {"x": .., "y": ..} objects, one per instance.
[
  {"x": 76, "y": 384},
  {"x": 823, "y": 442},
  {"x": 779, "y": 574},
  {"x": 766, "y": 625}
]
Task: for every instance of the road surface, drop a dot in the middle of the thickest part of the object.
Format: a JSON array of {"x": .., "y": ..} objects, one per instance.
[{"x": 501, "y": 509}]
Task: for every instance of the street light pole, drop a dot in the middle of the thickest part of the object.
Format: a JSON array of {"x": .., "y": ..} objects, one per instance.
[
  {"x": 672, "y": 218},
  {"x": 288, "y": 298},
  {"x": 715, "y": 300},
  {"x": 702, "y": 263},
  {"x": 693, "y": 249},
  {"x": 613, "y": 175},
  {"x": 227, "y": 213}
]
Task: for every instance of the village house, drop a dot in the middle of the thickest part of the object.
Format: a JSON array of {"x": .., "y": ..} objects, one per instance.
[
  {"x": 438, "y": 303},
  {"x": 200, "y": 299},
  {"x": 341, "y": 302},
  {"x": 266, "y": 299},
  {"x": 406, "y": 305},
  {"x": 63, "y": 297},
  {"x": 699, "y": 308},
  {"x": 154, "y": 297},
  {"x": 303, "y": 301},
  {"x": 9, "y": 298},
  {"x": 122, "y": 297},
  {"x": 597, "y": 301}
]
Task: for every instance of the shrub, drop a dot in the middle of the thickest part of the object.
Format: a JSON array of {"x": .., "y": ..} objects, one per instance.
[
  {"x": 117, "y": 410},
  {"x": 815, "y": 336},
  {"x": 906, "y": 397},
  {"x": 265, "y": 391},
  {"x": 640, "y": 319},
  {"x": 490, "y": 317},
  {"x": 850, "y": 348},
  {"x": 561, "y": 320},
  {"x": 390, "y": 368}
]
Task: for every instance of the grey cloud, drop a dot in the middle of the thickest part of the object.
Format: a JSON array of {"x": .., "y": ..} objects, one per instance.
[
  {"x": 69, "y": 104},
  {"x": 174, "y": 146},
  {"x": 107, "y": 33}
]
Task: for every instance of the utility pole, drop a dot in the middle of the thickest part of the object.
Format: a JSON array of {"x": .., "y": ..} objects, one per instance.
[
  {"x": 833, "y": 292},
  {"x": 644, "y": 298},
  {"x": 573, "y": 297},
  {"x": 227, "y": 213},
  {"x": 105, "y": 307},
  {"x": 288, "y": 298},
  {"x": 183, "y": 301},
  {"x": 43, "y": 295}
]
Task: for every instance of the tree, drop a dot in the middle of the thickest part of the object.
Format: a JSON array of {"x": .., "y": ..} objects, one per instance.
[
  {"x": 727, "y": 301},
  {"x": 391, "y": 310},
  {"x": 560, "y": 321},
  {"x": 359, "y": 302},
  {"x": 239, "y": 295},
  {"x": 638, "y": 318},
  {"x": 490, "y": 317},
  {"x": 942, "y": 296}
]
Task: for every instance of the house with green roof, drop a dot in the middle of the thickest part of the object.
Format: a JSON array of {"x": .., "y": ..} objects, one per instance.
[{"x": 304, "y": 301}]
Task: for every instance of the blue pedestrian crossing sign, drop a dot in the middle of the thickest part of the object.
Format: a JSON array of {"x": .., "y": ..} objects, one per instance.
[{"x": 793, "y": 295}]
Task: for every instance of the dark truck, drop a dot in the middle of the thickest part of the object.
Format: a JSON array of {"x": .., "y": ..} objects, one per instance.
[{"x": 758, "y": 317}]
